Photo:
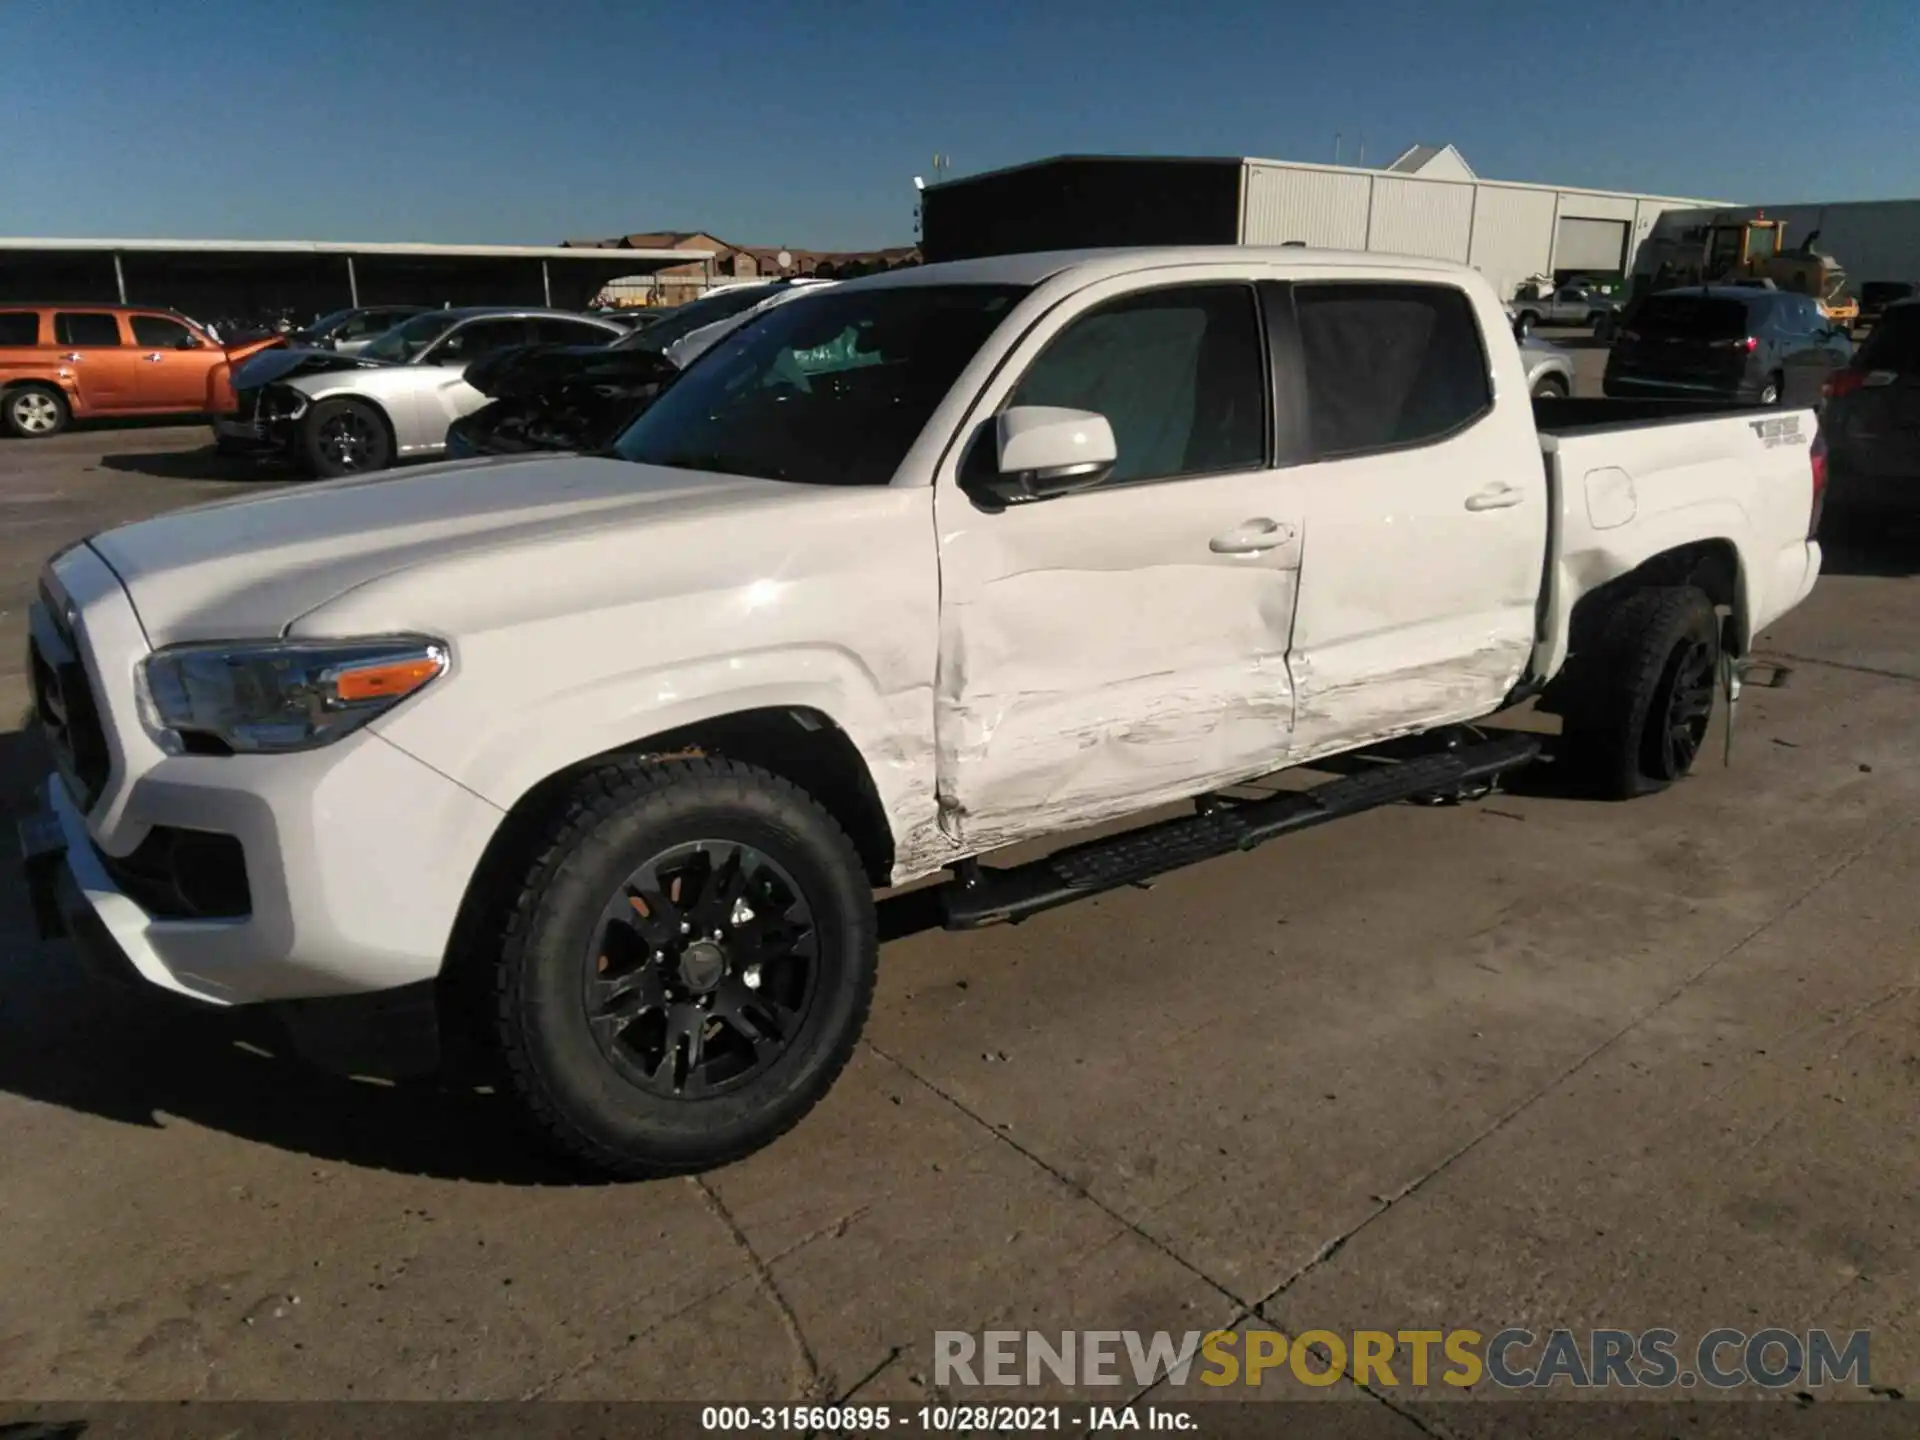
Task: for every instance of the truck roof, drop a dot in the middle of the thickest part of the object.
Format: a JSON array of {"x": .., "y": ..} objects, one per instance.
[{"x": 1031, "y": 269}]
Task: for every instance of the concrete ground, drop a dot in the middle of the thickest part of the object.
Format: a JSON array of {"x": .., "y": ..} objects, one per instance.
[{"x": 1534, "y": 1061}]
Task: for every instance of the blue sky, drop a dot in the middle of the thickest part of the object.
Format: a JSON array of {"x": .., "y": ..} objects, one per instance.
[{"x": 803, "y": 124}]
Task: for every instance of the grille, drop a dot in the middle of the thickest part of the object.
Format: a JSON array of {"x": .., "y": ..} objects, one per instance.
[{"x": 63, "y": 701}]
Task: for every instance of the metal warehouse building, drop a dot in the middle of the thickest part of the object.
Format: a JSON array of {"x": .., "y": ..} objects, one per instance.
[{"x": 1428, "y": 202}]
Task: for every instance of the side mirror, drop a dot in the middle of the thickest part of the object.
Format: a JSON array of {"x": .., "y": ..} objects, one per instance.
[{"x": 1041, "y": 451}]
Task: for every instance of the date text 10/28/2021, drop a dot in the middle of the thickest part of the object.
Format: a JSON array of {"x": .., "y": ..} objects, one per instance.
[{"x": 941, "y": 1419}]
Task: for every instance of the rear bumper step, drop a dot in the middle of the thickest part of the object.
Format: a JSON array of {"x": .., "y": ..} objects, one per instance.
[{"x": 984, "y": 896}]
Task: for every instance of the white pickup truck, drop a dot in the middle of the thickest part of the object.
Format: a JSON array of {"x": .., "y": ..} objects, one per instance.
[{"x": 600, "y": 759}]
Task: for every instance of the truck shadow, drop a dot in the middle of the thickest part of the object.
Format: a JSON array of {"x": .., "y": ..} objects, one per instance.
[{"x": 142, "y": 1058}]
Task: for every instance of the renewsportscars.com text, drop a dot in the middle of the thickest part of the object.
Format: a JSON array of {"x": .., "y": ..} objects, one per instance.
[{"x": 1512, "y": 1359}]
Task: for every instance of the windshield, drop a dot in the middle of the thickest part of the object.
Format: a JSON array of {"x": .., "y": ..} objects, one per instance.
[
  {"x": 832, "y": 392},
  {"x": 329, "y": 323},
  {"x": 693, "y": 315},
  {"x": 403, "y": 342}
]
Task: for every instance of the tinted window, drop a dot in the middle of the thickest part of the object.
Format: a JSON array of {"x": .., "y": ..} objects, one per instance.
[
  {"x": 751, "y": 407},
  {"x": 570, "y": 332},
  {"x": 19, "y": 327},
  {"x": 1692, "y": 317},
  {"x": 1884, "y": 292},
  {"x": 1894, "y": 343},
  {"x": 86, "y": 329},
  {"x": 1176, "y": 372},
  {"x": 156, "y": 332},
  {"x": 1389, "y": 365},
  {"x": 478, "y": 338}
]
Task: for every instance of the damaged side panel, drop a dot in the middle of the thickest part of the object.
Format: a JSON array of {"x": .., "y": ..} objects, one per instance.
[{"x": 1090, "y": 669}]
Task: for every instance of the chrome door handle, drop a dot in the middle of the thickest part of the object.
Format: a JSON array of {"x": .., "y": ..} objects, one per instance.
[
  {"x": 156, "y": 355},
  {"x": 1250, "y": 537},
  {"x": 1495, "y": 497},
  {"x": 71, "y": 357}
]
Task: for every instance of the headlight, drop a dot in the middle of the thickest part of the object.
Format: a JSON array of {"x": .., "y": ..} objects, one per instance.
[{"x": 281, "y": 695}]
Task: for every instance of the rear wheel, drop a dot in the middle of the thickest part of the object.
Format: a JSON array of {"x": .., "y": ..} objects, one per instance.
[
  {"x": 344, "y": 437},
  {"x": 1644, "y": 697},
  {"x": 688, "y": 966},
  {"x": 33, "y": 412},
  {"x": 1527, "y": 320}
]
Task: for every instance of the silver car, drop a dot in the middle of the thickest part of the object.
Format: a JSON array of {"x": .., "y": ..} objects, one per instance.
[
  {"x": 1569, "y": 305},
  {"x": 334, "y": 414}
]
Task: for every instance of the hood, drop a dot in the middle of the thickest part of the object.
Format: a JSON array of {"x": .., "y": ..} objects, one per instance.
[
  {"x": 251, "y": 567},
  {"x": 285, "y": 361},
  {"x": 530, "y": 369}
]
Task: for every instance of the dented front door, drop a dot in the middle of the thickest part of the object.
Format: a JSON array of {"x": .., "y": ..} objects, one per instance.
[{"x": 1106, "y": 650}]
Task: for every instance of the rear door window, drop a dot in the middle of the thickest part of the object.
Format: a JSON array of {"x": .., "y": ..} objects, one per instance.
[
  {"x": 86, "y": 328},
  {"x": 1389, "y": 365},
  {"x": 19, "y": 327}
]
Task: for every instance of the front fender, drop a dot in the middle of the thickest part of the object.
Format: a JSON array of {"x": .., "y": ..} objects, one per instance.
[{"x": 477, "y": 735}]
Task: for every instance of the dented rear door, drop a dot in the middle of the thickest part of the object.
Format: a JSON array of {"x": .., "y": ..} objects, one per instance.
[
  {"x": 1424, "y": 505},
  {"x": 1105, "y": 650}
]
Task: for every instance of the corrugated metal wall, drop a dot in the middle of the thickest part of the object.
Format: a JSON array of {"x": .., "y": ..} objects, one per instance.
[
  {"x": 1512, "y": 234},
  {"x": 1506, "y": 232},
  {"x": 1421, "y": 217},
  {"x": 1325, "y": 208}
]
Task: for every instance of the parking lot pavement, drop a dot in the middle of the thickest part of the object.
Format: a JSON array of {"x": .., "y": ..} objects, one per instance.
[{"x": 1533, "y": 1061}]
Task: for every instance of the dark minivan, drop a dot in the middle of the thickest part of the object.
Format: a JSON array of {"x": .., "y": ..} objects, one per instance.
[
  {"x": 1872, "y": 418},
  {"x": 1729, "y": 342}
]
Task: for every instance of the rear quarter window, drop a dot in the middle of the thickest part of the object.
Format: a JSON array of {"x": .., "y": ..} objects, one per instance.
[{"x": 19, "y": 327}]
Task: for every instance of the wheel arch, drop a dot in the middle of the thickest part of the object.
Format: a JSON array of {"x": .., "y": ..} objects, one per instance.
[
  {"x": 360, "y": 397},
  {"x": 1712, "y": 565},
  {"x": 800, "y": 743}
]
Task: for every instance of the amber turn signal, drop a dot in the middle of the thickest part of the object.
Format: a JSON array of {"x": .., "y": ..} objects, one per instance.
[{"x": 387, "y": 680}]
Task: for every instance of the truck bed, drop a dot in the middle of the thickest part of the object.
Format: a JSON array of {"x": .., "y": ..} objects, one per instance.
[{"x": 1632, "y": 479}]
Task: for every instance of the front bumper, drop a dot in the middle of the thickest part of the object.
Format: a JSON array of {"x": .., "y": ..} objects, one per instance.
[{"x": 357, "y": 856}]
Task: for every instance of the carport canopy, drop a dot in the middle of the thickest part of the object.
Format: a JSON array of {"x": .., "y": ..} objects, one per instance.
[{"x": 203, "y": 278}]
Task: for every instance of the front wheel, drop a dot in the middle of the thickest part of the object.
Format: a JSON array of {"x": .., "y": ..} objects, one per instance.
[
  {"x": 1645, "y": 692},
  {"x": 33, "y": 412},
  {"x": 688, "y": 967},
  {"x": 344, "y": 437}
]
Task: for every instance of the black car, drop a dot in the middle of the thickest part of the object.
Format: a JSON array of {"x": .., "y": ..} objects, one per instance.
[
  {"x": 1730, "y": 342},
  {"x": 1872, "y": 418},
  {"x": 1877, "y": 295}
]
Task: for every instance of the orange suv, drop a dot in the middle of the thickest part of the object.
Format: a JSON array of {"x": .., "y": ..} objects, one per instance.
[{"x": 62, "y": 362}]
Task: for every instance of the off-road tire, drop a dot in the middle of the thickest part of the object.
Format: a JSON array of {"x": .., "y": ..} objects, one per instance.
[
  {"x": 50, "y": 411},
  {"x": 615, "y": 818},
  {"x": 1625, "y": 682}
]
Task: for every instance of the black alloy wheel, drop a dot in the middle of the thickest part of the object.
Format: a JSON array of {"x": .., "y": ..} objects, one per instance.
[
  {"x": 701, "y": 970},
  {"x": 347, "y": 439},
  {"x": 1675, "y": 745}
]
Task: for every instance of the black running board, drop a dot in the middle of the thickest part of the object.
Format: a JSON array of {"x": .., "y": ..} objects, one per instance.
[{"x": 985, "y": 896}]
